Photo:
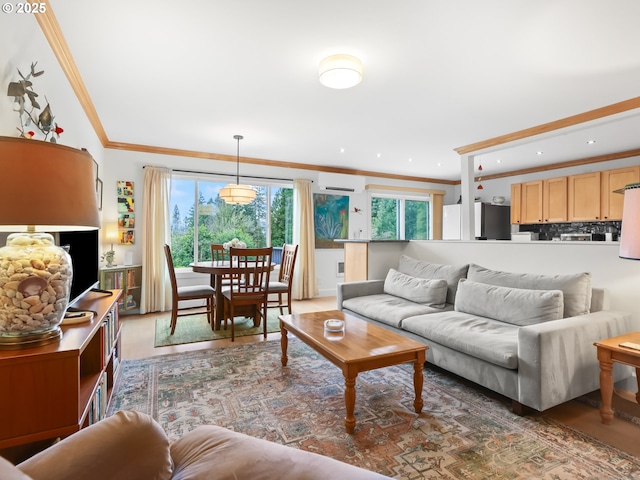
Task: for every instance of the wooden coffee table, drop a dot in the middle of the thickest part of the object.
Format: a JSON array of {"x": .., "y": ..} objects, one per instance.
[
  {"x": 361, "y": 347},
  {"x": 610, "y": 351}
]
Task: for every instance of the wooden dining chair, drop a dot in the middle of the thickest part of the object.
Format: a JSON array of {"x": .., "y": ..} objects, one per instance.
[
  {"x": 250, "y": 269},
  {"x": 282, "y": 286},
  {"x": 191, "y": 292}
]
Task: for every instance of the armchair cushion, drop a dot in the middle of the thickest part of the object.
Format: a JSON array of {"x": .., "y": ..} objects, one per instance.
[
  {"x": 10, "y": 472},
  {"x": 211, "y": 452},
  {"x": 128, "y": 444}
]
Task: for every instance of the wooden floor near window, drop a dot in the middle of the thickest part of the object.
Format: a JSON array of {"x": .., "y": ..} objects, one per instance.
[{"x": 138, "y": 339}]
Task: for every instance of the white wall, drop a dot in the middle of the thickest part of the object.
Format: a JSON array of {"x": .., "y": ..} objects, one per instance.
[
  {"x": 23, "y": 43},
  {"x": 620, "y": 276}
]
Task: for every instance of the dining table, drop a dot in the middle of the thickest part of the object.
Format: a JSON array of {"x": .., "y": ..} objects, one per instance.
[{"x": 217, "y": 270}]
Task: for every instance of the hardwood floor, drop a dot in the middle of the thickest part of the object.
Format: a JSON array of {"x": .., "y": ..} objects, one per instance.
[{"x": 138, "y": 338}]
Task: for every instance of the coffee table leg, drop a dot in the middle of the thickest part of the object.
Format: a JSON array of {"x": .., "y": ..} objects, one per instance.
[
  {"x": 418, "y": 380},
  {"x": 606, "y": 385},
  {"x": 350, "y": 401},
  {"x": 284, "y": 343}
]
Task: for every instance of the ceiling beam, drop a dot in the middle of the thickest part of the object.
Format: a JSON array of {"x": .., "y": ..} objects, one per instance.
[{"x": 571, "y": 121}]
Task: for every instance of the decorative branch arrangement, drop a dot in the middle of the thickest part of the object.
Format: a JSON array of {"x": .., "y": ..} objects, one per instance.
[{"x": 22, "y": 91}]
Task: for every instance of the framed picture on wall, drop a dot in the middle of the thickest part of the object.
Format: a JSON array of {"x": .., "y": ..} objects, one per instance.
[{"x": 331, "y": 217}]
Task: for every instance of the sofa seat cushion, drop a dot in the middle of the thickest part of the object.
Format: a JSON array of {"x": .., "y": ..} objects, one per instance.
[
  {"x": 484, "y": 338},
  {"x": 576, "y": 288},
  {"x": 388, "y": 309},
  {"x": 434, "y": 271},
  {"x": 419, "y": 290},
  {"x": 512, "y": 305}
]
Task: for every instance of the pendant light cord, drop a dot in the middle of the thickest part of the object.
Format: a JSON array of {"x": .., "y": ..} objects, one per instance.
[{"x": 238, "y": 138}]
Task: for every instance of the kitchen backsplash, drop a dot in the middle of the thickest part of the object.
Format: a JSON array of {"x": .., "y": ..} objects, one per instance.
[{"x": 549, "y": 231}]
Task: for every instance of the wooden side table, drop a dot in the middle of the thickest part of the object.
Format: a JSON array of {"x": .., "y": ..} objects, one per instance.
[{"x": 610, "y": 351}]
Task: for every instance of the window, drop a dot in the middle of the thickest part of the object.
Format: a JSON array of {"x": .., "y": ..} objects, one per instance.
[
  {"x": 200, "y": 217},
  {"x": 394, "y": 218}
]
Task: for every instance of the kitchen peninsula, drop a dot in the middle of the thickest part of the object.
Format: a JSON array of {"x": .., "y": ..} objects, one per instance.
[{"x": 370, "y": 259}]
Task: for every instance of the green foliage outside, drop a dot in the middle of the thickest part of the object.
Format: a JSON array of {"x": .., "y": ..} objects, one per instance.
[
  {"x": 219, "y": 222},
  {"x": 384, "y": 218}
]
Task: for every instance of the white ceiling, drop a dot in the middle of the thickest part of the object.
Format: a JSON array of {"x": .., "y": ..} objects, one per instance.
[{"x": 438, "y": 74}]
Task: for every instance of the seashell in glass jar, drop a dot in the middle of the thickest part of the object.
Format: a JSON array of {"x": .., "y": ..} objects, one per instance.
[{"x": 35, "y": 281}]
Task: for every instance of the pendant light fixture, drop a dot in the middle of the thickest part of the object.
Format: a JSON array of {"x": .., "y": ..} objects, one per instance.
[
  {"x": 480, "y": 187},
  {"x": 236, "y": 194}
]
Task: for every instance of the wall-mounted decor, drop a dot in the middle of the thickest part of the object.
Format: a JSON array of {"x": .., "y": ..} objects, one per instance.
[
  {"x": 126, "y": 215},
  {"x": 99, "y": 193},
  {"x": 126, "y": 220},
  {"x": 331, "y": 217}
]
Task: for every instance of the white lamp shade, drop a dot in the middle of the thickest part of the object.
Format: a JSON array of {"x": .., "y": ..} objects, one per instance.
[
  {"x": 340, "y": 71},
  {"x": 237, "y": 194},
  {"x": 630, "y": 233}
]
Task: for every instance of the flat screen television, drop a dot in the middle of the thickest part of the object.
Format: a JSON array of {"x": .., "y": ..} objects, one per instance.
[{"x": 83, "y": 250}]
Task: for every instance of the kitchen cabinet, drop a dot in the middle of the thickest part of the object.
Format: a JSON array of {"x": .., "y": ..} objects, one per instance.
[
  {"x": 611, "y": 180},
  {"x": 554, "y": 200},
  {"x": 584, "y": 197},
  {"x": 516, "y": 203},
  {"x": 531, "y": 202}
]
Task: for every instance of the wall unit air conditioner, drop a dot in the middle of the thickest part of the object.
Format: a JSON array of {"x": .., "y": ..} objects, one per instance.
[{"x": 338, "y": 182}]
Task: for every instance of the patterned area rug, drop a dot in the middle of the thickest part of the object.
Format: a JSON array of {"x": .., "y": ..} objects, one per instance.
[
  {"x": 461, "y": 433},
  {"x": 196, "y": 329}
]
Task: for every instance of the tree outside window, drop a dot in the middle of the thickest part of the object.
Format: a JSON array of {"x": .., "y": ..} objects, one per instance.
[
  {"x": 197, "y": 202},
  {"x": 394, "y": 218}
]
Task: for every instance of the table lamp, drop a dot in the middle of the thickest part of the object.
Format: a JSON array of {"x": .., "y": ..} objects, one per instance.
[
  {"x": 111, "y": 236},
  {"x": 46, "y": 188},
  {"x": 630, "y": 233}
]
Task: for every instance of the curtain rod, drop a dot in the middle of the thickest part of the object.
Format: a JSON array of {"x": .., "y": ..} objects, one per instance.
[{"x": 230, "y": 175}]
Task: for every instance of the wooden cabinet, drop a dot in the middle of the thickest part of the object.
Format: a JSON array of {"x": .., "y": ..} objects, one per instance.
[
  {"x": 554, "y": 200},
  {"x": 584, "y": 197},
  {"x": 55, "y": 390},
  {"x": 127, "y": 278},
  {"x": 531, "y": 202},
  {"x": 611, "y": 203},
  {"x": 516, "y": 203}
]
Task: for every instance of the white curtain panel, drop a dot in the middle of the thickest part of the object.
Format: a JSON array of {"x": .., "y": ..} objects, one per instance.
[
  {"x": 304, "y": 276},
  {"x": 156, "y": 286}
]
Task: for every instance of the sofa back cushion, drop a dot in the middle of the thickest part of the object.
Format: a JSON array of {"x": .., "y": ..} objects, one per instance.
[
  {"x": 511, "y": 305},
  {"x": 576, "y": 288},
  {"x": 419, "y": 290},
  {"x": 433, "y": 271}
]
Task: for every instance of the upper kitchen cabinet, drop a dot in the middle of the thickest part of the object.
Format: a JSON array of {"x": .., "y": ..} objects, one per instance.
[
  {"x": 584, "y": 197},
  {"x": 554, "y": 200},
  {"x": 531, "y": 202},
  {"x": 611, "y": 207},
  {"x": 516, "y": 203}
]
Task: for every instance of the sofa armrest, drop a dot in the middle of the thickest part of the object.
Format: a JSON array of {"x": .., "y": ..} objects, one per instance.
[
  {"x": 347, "y": 290},
  {"x": 126, "y": 445},
  {"x": 557, "y": 360}
]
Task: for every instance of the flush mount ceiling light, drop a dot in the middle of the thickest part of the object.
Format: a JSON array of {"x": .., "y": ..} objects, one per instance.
[
  {"x": 236, "y": 194},
  {"x": 340, "y": 71}
]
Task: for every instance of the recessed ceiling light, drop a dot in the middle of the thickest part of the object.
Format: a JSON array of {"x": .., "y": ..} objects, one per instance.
[
  {"x": 498, "y": 161},
  {"x": 342, "y": 150},
  {"x": 411, "y": 159},
  {"x": 539, "y": 153},
  {"x": 591, "y": 142},
  {"x": 439, "y": 164},
  {"x": 378, "y": 155}
]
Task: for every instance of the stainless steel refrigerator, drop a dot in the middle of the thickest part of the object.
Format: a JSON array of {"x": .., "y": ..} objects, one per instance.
[{"x": 492, "y": 222}]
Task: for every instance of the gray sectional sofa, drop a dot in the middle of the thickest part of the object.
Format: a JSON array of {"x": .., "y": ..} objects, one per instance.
[{"x": 528, "y": 337}]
